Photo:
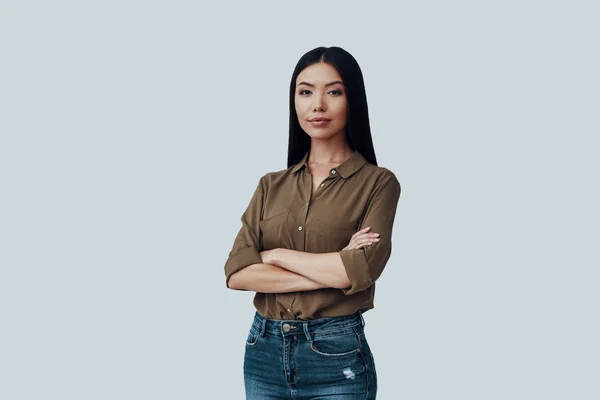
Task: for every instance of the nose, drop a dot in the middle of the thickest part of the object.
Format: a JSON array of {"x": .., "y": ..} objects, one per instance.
[{"x": 319, "y": 101}]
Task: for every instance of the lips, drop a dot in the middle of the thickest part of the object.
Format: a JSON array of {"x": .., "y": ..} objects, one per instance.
[{"x": 319, "y": 122}]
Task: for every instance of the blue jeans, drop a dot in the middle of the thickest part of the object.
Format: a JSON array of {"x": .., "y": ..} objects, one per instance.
[{"x": 327, "y": 358}]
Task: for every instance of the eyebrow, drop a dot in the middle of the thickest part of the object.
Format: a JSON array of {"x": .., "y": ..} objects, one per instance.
[{"x": 327, "y": 84}]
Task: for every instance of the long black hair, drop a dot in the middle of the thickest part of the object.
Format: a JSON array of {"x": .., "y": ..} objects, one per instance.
[{"x": 357, "y": 129}]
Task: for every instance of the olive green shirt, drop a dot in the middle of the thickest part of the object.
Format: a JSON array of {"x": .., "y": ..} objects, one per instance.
[{"x": 283, "y": 214}]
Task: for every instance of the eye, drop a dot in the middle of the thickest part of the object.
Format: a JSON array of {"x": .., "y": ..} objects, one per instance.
[
  {"x": 336, "y": 92},
  {"x": 303, "y": 92}
]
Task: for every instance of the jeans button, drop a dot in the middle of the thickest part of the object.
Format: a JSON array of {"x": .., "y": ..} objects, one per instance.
[{"x": 286, "y": 327}]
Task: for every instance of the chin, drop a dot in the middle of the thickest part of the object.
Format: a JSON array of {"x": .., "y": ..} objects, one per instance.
[
  {"x": 320, "y": 134},
  {"x": 317, "y": 133}
]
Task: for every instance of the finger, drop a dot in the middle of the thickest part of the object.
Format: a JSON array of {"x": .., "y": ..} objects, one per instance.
[
  {"x": 367, "y": 236},
  {"x": 362, "y": 241},
  {"x": 362, "y": 230},
  {"x": 370, "y": 235},
  {"x": 369, "y": 242}
]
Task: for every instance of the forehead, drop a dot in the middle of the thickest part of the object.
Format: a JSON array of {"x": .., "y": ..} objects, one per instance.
[{"x": 318, "y": 73}]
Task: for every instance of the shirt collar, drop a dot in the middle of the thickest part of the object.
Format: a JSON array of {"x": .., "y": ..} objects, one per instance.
[{"x": 345, "y": 169}]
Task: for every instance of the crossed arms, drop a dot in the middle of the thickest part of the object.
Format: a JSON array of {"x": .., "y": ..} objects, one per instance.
[
  {"x": 353, "y": 269},
  {"x": 279, "y": 272}
]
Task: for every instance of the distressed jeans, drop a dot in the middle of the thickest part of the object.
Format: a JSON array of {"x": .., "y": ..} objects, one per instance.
[{"x": 327, "y": 358}]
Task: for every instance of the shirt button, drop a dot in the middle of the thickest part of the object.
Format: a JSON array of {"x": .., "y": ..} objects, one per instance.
[
  {"x": 306, "y": 204},
  {"x": 322, "y": 184},
  {"x": 333, "y": 171},
  {"x": 289, "y": 310},
  {"x": 299, "y": 228}
]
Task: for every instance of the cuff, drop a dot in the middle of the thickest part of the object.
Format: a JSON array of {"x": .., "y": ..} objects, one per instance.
[
  {"x": 357, "y": 269},
  {"x": 241, "y": 260}
]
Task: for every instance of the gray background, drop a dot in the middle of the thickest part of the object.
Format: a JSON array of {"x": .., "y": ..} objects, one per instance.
[{"x": 133, "y": 135}]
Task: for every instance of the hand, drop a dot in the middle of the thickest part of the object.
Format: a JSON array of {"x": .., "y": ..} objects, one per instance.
[
  {"x": 362, "y": 238},
  {"x": 268, "y": 256}
]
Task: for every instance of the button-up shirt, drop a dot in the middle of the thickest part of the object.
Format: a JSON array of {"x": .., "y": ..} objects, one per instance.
[{"x": 284, "y": 213}]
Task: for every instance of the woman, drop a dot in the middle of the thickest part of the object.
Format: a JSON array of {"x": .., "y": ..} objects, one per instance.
[{"x": 314, "y": 239}]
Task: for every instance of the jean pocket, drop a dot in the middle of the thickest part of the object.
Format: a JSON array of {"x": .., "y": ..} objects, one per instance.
[
  {"x": 252, "y": 339},
  {"x": 336, "y": 345}
]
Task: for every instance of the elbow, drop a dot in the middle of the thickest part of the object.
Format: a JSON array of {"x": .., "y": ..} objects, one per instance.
[
  {"x": 239, "y": 262},
  {"x": 233, "y": 282},
  {"x": 364, "y": 267},
  {"x": 357, "y": 287},
  {"x": 242, "y": 279},
  {"x": 356, "y": 275},
  {"x": 342, "y": 282}
]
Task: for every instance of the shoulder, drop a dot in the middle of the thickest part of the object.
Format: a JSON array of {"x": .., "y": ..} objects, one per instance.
[
  {"x": 276, "y": 177},
  {"x": 379, "y": 175},
  {"x": 271, "y": 180}
]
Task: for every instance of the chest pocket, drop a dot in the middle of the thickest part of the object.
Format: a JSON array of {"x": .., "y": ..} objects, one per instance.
[
  {"x": 332, "y": 234},
  {"x": 275, "y": 232}
]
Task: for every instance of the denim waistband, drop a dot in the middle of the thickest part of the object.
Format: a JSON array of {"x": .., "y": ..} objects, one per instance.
[{"x": 320, "y": 326}]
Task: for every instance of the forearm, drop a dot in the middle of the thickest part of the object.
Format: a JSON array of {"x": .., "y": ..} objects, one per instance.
[
  {"x": 325, "y": 268},
  {"x": 267, "y": 278}
]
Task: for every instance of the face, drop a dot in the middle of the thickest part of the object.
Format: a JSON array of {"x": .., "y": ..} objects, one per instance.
[{"x": 320, "y": 94}]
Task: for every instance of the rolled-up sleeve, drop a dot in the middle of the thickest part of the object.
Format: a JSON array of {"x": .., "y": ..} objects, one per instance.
[
  {"x": 363, "y": 266},
  {"x": 246, "y": 246}
]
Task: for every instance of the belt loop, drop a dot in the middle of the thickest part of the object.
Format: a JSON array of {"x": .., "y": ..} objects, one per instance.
[
  {"x": 262, "y": 328},
  {"x": 305, "y": 327},
  {"x": 263, "y": 324},
  {"x": 362, "y": 320}
]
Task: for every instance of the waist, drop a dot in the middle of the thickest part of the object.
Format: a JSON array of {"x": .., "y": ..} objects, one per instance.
[
  {"x": 312, "y": 305},
  {"x": 318, "y": 326}
]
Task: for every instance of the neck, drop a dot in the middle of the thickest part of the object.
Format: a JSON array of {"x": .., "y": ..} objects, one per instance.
[{"x": 329, "y": 151}]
